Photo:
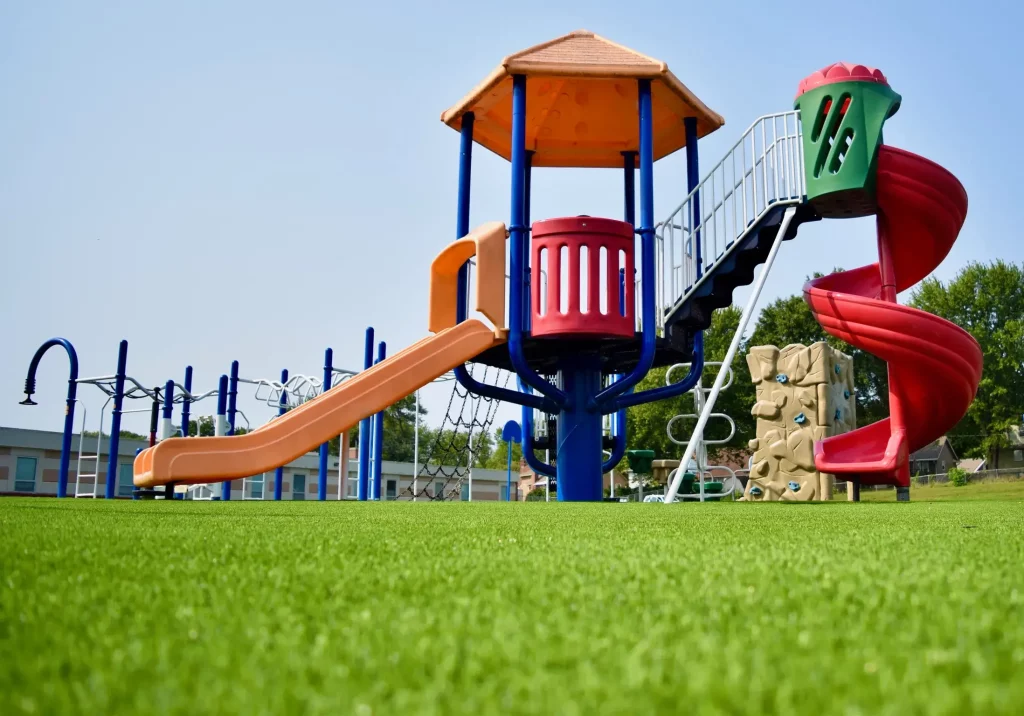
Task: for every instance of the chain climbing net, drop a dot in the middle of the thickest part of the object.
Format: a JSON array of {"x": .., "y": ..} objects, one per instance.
[{"x": 467, "y": 414}]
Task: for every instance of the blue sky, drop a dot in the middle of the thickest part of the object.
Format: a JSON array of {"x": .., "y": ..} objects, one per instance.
[{"x": 258, "y": 181}]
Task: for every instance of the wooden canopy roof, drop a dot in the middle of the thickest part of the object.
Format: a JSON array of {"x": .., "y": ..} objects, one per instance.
[{"x": 581, "y": 102}]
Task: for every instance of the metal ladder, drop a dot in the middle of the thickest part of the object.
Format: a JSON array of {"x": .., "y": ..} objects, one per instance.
[
  {"x": 702, "y": 470},
  {"x": 80, "y": 491}
]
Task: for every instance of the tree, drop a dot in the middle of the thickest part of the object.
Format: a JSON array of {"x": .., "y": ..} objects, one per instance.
[
  {"x": 987, "y": 301},
  {"x": 499, "y": 457},
  {"x": 648, "y": 423},
  {"x": 400, "y": 429},
  {"x": 205, "y": 428},
  {"x": 124, "y": 435},
  {"x": 789, "y": 320}
]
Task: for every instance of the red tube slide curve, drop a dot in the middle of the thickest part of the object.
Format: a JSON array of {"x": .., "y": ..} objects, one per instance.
[{"x": 934, "y": 365}]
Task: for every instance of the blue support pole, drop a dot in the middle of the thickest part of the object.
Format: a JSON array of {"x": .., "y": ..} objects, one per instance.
[
  {"x": 281, "y": 410},
  {"x": 321, "y": 493},
  {"x": 69, "y": 404},
  {"x": 186, "y": 403},
  {"x": 519, "y": 284},
  {"x": 363, "y": 488},
  {"x": 462, "y": 220},
  {"x": 697, "y": 363},
  {"x": 222, "y": 399},
  {"x": 378, "y": 434},
  {"x": 225, "y": 488},
  {"x": 605, "y": 399},
  {"x": 115, "y": 421},
  {"x": 167, "y": 416},
  {"x": 527, "y": 193},
  {"x": 580, "y": 457},
  {"x": 692, "y": 180},
  {"x": 508, "y": 476}
]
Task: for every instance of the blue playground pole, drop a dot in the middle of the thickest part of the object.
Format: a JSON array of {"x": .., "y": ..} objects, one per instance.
[
  {"x": 378, "y": 434},
  {"x": 167, "y": 416},
  {"x": 115, "y": 422},
  {"x": 328, "y": 377},
  {"x": 462, "y": 220},
  {"x": 363, "y": 488},
  {"x": 225, "y": 488},
  {"x": 69, "y": 404},
  {"x": 511, "y": 433},
  {"x": 186, "y": 403},
  {"x": 281, "y": 410},
  {"x": 692, "y": 180}
]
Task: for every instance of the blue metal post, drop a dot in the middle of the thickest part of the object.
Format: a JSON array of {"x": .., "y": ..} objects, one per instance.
[
  {"x": 692, "y": 180},
  {"x": 222, "y": 398},
  {"x": 527, "y": 232},
  {"x": 629, "y": 187},
  {"x": 324, "y": 449},
  {"x": 519, "y": 283},
  {"x": 281, "y": 410},
  {"x": 115, "y": 421},
  {"x": 648, "y": 336},
  {"x": 363, "y": 488},
  {"x": 378, "y": 434},
  {"x": 225, "y": 488},
  {"x": 186, "y": 403},
  {"x": 462, "y": 220},
  {"x": 508, "y": 476},
  {"x": 167, "y": 416},
  {"x": 579, "y": 455},
  {"x": 69, "y": 404}
]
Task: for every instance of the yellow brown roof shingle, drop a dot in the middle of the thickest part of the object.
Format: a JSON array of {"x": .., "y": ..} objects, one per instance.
[{"x": 581, "y": 103}]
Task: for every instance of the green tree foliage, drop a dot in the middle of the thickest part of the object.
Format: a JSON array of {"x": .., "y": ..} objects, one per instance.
[
  {"x": 789, "y": 320},
  {"x": 498, "y": 459},
  {"x": 986, "y": 300},
  {"x": 648, "y": 422},
  {"x": 124, "y": 434},
  {"x": 205, "y": 428},
  {"x": 399, "y": 429}
]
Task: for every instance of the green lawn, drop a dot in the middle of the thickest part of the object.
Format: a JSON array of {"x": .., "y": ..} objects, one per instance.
[
  {"x": 995, "y": 490},
  {"x": 345, "y": 608}
]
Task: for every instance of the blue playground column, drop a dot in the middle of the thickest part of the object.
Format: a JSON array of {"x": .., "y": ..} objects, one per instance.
[
  {"x": 115, "y": 422},
  {"x": 186, "y": 403},
  {"x": 321, "y": 493},
  {"x": 580, "y": 429},
  {"x": 69, "y": 404},
  {"x": 167, "y": 416},
  {"x": 462, "y": 219},
  {"x": 225, "y": 488},
  {"x": 281, "y": 410},
  {"x": 378, "y": 434},
  {"x": 692, "y": 180},
  {"x": 363, "y": 488}
]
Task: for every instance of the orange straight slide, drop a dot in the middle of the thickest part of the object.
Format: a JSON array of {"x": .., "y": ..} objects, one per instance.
[{"x": 216, "y": 459}]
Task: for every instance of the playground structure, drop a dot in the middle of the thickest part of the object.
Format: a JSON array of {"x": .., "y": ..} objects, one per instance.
[
  {"x": 804, "y": 395},
  {"x": 591, "y": 304}
]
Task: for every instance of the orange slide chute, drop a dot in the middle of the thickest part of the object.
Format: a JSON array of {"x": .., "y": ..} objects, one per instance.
[{"x": 204, "y": 460}]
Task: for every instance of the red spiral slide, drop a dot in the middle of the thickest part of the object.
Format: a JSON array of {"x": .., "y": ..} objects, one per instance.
[{"x": 934, "y": 365}]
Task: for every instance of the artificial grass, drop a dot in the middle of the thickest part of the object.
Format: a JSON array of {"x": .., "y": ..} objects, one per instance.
[
  {"x": 990, "y": 490},
  {"x": 117, "y": 607}
]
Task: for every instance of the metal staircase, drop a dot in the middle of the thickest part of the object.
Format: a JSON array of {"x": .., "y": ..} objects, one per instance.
[{"x": 712, "y": 242}]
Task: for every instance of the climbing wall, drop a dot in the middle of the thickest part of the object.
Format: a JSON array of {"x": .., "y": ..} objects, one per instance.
[{"x": 804, "y": 394}]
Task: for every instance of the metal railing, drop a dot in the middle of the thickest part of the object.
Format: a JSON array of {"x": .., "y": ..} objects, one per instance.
[{"x": 763, "y": 170}]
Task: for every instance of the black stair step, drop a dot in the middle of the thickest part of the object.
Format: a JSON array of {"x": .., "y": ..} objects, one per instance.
[{"x": 737, "y": 269}]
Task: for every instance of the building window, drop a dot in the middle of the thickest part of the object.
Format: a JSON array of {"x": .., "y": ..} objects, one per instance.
[
  {"x": 298, "y": 487},
  {"x": 391, "y": 490},
  {"x": 353, "y": 487},
  {"x": 125, "y": 481},
  {"x": 464, "y": 493},
  {"x": 504, "y": 493},
  {"x": 256, "y": 488},
  {"x": 438, "y": 490},
  {"x": 25, "y": 475}
]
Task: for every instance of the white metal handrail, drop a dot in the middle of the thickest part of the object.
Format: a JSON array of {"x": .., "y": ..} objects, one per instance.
[{"x": 763, "y": 170}]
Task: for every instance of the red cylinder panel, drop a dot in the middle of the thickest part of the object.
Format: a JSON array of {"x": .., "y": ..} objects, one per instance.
[{"x": 576, "y": 263}]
